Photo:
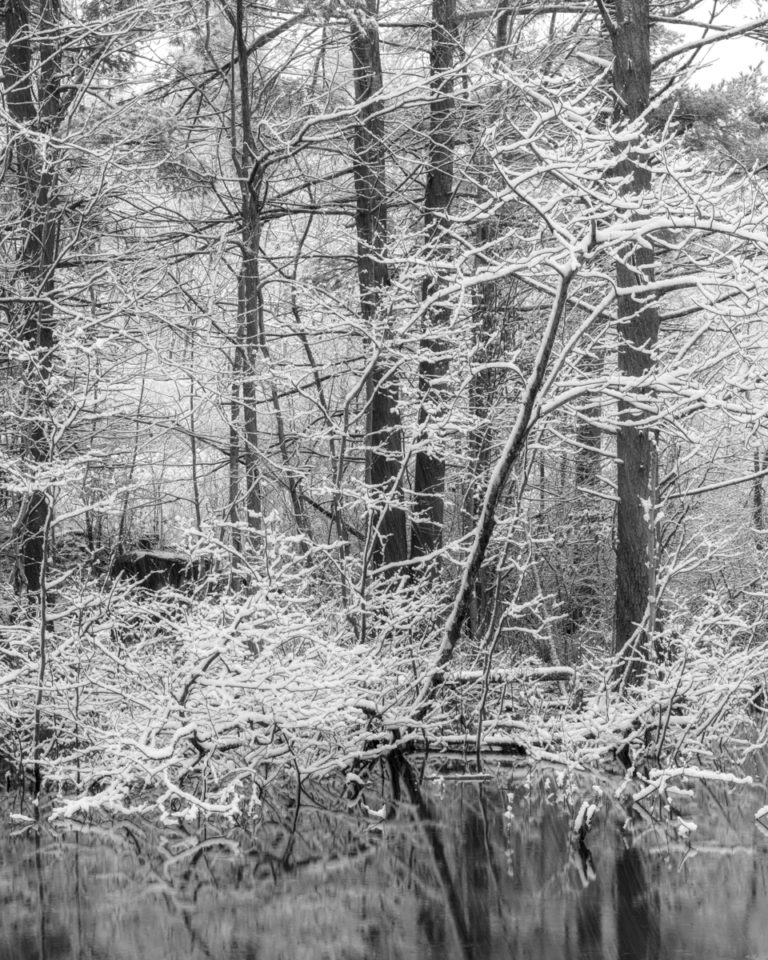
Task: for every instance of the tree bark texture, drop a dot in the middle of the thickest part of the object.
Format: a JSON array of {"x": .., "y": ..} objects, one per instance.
[
  {"x": 429, "y": 479},
  {"x": 384, "y": 440},
  {"x": 34, "y": 109},
  {"x": 638, "y": 329}
]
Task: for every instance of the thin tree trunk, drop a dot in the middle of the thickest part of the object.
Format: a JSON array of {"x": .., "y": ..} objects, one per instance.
[
  {"x": 42, "y": 664},
  {"x": 758, "y": 518},
  {"x": 429, "y": 474},
  {"x": 384, "y": 442},
  {"x": 93, "y": 486},
  {"x": 195, "y": 466},
  {"x": 589, "y": 460},
  {"x": 251, "y": 307},
  {"x": 246, "y": 165},
  {"x": 233, "y": 509},
  {"x": 292, "y": 475},
  {"x": 758, "y": 499},
  {"x": 122, "y": 526},
  {"x": 248, "y": 326}
]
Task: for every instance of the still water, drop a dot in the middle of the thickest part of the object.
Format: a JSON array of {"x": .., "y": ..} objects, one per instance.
[{"x": 481, "y": 870}]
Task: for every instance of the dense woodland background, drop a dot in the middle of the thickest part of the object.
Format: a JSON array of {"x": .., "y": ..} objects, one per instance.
[{"x": 343, "y": 341}]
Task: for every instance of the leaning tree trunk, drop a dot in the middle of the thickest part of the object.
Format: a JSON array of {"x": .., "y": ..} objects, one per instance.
[
  {"x": 638, "y": 328},
  {"x": 429, "y": 479},
  {"x": 527, "y": 416},
  {"x": 384, "y": 439}
]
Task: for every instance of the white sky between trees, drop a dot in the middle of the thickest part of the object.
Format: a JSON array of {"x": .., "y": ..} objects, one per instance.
[{"x": 731, "y": 57}]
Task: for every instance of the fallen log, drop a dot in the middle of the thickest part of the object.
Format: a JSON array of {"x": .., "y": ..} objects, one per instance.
[
  {"x": 494, "y": 743},
  {"x": 530, "y": 675}
]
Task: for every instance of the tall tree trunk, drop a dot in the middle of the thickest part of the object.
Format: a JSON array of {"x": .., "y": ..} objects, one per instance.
[
  {"x": 251, "y": 306},
  {"x": 638, "y": 328},
  {"x": 491, "y": 323},
  {"x": 249, "y": 293},
  {"x": 194, "y": 464},
  {"x": 384, "y": 432},
  {"x": 429, "y": 480},
  {"x": 34, "y": 114}
]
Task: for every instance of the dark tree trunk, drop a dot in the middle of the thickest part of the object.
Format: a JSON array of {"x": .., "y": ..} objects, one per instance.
[
  {"x": 758, "y": 518},
  {"x": 384, "y": 432},
  {"x": 758, "y": 499},
  {"x": 249, "y": 330},
  {"x": 492, "y": 323},
  {"x": 638, "y": 328},
  {"x": 232, "y": 516},
  {"x": 483, "y": 389},
  {"x": 251, "y": 343},
  {"x": 33, "y": 113},
  {"x": 429, "y": 480},
  {"x": 249, "y": 287},
  {"x": 637, "y": 909}
]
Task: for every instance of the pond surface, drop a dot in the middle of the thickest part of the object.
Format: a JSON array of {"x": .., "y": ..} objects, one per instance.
[{"x": 481, "y": 870}]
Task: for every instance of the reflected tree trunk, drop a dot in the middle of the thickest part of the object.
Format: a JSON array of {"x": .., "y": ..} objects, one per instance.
[
  {"x": 637, "y": 910},
  {"x": 429, "y": 822},
  {"x": 476, "y": 876}
]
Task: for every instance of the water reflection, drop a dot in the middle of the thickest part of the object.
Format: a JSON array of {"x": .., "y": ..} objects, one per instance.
[
  {"x": 473, "y": 871},
  {"x": 637, "y": 909}
]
